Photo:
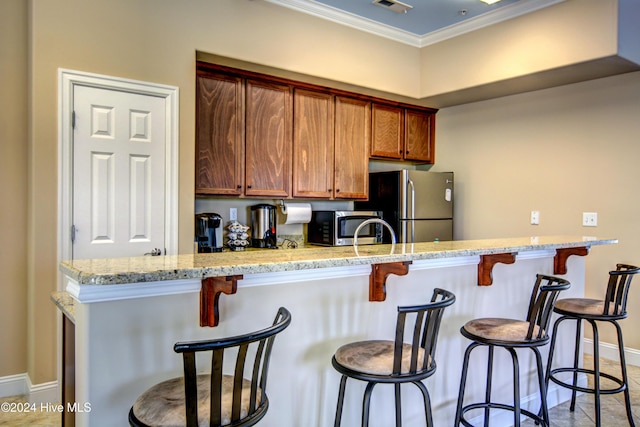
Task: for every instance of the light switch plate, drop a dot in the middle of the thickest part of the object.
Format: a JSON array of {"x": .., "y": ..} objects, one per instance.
[
  {"x": 233, "y": 214},
  {"x": 589, "y": 219},
  {"x": 535, "y": 217}
]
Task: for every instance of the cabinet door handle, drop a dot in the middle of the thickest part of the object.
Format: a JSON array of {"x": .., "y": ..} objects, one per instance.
[
  {"x": 239, "y": 186},
  {"x": 248, "y": 186},
  {"x": 337, "y": 190},
  {"x": 329, "y": 190}
]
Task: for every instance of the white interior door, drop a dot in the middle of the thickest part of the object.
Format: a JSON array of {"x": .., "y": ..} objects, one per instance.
[{"x": 118, "y": 173}]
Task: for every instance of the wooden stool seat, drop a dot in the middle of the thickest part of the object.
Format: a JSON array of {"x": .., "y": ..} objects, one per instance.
[
  {"x": 374, "y": 357},
  {"x": 395, "y": 362},
  {"x": 609, "y": 310},
  {"x": 512, "y": 334},
  {"x": 508, "y": 331},
  {"x": 164, "y": 403},
  {"x": 214, "y": 399}
]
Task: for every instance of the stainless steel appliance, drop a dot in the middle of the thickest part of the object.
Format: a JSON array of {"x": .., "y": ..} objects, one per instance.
[
  {"x": 263, "y": 226},
  {"x": 417, "y": 204},
  {"x": 209, "y": 232},
  {"x": 336, "y": 228}
]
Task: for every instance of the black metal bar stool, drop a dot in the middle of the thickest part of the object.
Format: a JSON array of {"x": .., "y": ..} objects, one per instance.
[
  {"x": 214, "y": 399},
  {"x": 396, "y": 362},
  {"x": 512, "y": 334},
  {"x": 611, "y": 309}
]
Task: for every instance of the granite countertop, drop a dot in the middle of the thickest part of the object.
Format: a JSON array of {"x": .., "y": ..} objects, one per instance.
[
  {"x": 65, "y": 303},
  {"x": 113, "y": 271}
]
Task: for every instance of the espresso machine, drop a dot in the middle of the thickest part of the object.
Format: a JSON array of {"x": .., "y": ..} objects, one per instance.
[
  {"x": 208, "y": 232},
  {"x": 263, "y": 226}
]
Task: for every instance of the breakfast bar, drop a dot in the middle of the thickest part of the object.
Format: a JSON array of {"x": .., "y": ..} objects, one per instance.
[{"x": 125, "y": 314}]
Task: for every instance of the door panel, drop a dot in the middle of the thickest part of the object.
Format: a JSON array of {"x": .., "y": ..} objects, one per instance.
[
  {"x": 219, "y": 135},
  {"x": 432, "y": 198},
  {"x": 312, "y": 144},
  {"x": 118, "y": 170},
  {"x": 353, "y": 138},
  {"x": 428, "y": 230},
  {"x": 268, "y": 139}
]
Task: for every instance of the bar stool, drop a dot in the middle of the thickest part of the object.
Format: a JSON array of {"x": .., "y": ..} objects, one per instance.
[
  {"x": 512, "y": 334},
  {"x": 214, "y": 399},
  {"x": 396, "y": 362},
  {"x": 611, "y": 309}
]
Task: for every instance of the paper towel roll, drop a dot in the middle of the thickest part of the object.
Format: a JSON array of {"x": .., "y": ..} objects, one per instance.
[{"x": 297, "y": 213}]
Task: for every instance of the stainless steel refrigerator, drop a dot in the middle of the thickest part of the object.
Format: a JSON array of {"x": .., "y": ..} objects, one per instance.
[{"x": 417, "y": 204}]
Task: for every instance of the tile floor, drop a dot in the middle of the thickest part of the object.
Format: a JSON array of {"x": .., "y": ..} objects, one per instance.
[{"x": 613, "y": 412}]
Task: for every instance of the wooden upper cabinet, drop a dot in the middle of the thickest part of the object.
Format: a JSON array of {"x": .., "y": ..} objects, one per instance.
[
  {"x": 219, "y": 135},
  {"x": 388, "y": 131},
  {"x": 268, "y": 121},
  {"x": 270, "y": 137},
  {"x": 352, "y": 142},
  {"x": 402, "y": 133},
  {"x": 419, "y": 136},
  {"x": 312, "y": 144}
]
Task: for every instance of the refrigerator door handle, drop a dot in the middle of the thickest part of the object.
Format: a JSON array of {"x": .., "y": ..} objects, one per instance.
[{"x": 413, "y": 209}]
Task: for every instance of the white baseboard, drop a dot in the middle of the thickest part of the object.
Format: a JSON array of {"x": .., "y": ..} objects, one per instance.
[
  {"x": 610, "y": 351},
  {"x": 13, "y": 385},
  {"x": 20, "y": 384}
]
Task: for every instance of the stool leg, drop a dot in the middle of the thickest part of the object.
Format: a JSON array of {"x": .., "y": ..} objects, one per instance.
[
  {"x": 398, "y": 406},
  {"x": 516, "y": 387},
  {"x": 427, "y": 402},
  {"x": 343, "y": 383},
  {"x": 463, "y": 381},
  {"x": 596, "y": 370},
  {"x": 366, "y": 404},
  {"x": 550, "y": 358},
  {"x": 487, "y": 393},
  {"x": 576, "y": 359},
  {"x": 623, "y": 368},
  {"x": 544, "y": 409}
]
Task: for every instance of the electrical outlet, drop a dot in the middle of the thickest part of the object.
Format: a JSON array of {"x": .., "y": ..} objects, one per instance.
[
  {"x": 589, "y": 219},
  {"x": 535, "y": 217},
  {"x": 233, "y": 214}
]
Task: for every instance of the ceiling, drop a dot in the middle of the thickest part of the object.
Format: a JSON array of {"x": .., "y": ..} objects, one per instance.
[{"x": 427, "y": 22}]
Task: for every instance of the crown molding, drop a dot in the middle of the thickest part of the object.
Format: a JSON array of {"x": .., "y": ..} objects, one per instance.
[{"x": 320, "y": 10}]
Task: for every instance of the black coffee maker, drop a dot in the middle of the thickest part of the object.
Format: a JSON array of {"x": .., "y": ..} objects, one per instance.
[
  {"x": 209, "y": 232},
  {"x": 263, "y": 226}
]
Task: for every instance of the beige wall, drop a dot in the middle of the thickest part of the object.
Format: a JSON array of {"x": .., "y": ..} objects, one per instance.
[
  {"x": 13, "y": 186},
  {"x": 559, "y": 151},
  {"x": 567, "y": 33},
  {"x": 156, "y": 40}
]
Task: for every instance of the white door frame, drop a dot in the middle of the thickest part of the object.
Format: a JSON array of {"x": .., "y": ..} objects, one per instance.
[{"x": 67, "y": 79}]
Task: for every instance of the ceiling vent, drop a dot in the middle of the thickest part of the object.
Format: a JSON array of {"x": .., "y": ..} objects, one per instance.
[{"x": 393, "y": 5}]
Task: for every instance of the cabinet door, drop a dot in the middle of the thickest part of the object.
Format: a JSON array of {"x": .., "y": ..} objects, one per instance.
[
  {"x": 268, "y": 139},
  {"x": 419, "y": 136},
  {"x": 312, "y": 144},
  {"x": 388, "y": 131},
  {"x": 352, "y": 141},
  {"x": 219, "y": 130}
]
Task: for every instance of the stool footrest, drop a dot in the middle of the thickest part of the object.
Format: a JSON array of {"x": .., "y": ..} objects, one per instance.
[
  {"x": 622, "y": 386},
  {"x": 491, "y": 405}
]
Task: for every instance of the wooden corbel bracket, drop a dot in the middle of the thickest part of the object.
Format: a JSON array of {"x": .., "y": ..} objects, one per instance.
[
  {"x": 210, "y": 292},
  {"x": 485, "y": 267},
  {"x": 560, "y": 260},
  {"x": 378, "y": 278}
]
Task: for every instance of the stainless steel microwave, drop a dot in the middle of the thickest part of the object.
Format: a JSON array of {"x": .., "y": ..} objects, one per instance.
[{"x": 336, "y": 228}]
